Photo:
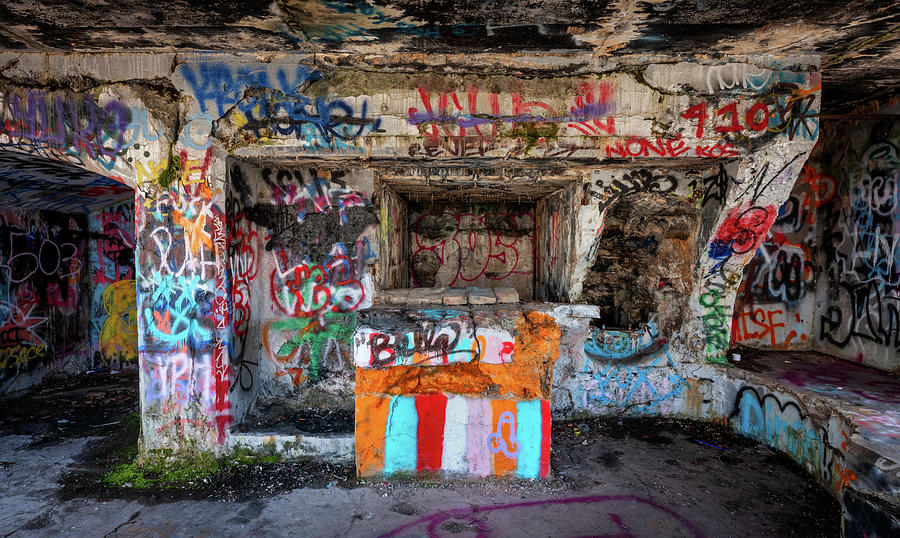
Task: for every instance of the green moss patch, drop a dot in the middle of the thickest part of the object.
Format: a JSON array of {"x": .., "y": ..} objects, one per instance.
[
  {"x": 171, "y": 173},
  {"x": 532, "y": 133},
  {"x": 162, "y": 471}
]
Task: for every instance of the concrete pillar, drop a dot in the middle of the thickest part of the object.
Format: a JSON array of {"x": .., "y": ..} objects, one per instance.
[
  {"x": 183, "y": 307},
  {"x": 730, "y": 239}
]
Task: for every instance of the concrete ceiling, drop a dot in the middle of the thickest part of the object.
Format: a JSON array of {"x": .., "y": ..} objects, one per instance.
[
  {"x": 34, "y": 183},
  {"x": 858, "y": 40}
]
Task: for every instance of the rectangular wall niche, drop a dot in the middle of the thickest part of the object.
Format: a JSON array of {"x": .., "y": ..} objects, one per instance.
[
  {"x": 475, "y": 228},
  {"x": 486, "y": 244}
]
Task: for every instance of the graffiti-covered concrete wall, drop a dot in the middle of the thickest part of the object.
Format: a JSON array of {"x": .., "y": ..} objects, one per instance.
[
  {"x": 67, "y": 236},
  {"x": 45, "y": 296},
  {"x": 276, "y": 200},
  {"x": 827, "y": 277},
  {"x": 861, "y": 247},
  {"x": 114, "y": 297},
  {"x": 489, "y": 245},
  {"x": 555, "y": 242},
  {"x": 302, "y": 243}
]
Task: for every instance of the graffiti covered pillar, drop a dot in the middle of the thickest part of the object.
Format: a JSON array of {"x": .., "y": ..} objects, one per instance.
[
  {"x": 183, "y": 300},
  {"x": 184, "y": 283},
  {"x": 762, "y": 184}
]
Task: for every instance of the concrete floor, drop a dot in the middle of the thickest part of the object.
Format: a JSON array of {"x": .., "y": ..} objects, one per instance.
[{"x": 611, "y": 478}]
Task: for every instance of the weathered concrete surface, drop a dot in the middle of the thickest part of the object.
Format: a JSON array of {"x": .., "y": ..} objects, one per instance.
[
  {"x": 29, "y": 477},
  {"x": 645, "y": 477},
  {"x": 627, "y": 280},
  {"x": 506, "y": 295},
  {"x": 481, "y": 296},
  {"x": 425, "y": 296},
  {"x": 858, "y": 40},
  {"x": 332, "y": 448},
  {"x": 837, "y": 419},
  {"x": 395, "y": 296},
  {"x": 456, "y": 297},
  {"x": 409, "y": 510}
]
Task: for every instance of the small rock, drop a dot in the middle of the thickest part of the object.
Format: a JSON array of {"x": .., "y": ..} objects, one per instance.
[
  {"x": 506, "y": 295},
  {"x": 454, "y": 527},
  {"x": 480, "y": 296},
  {"x": 455, "y": 297},
  {"x": 405, "y": 509}
]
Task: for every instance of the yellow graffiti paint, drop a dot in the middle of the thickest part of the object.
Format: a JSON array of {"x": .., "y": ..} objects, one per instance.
[
  {"x": 239, "y": 120},
  {"x": 149, "y": 174},
  {"x": 21, "y": 355},
  {"x": 118, "y": 337}
]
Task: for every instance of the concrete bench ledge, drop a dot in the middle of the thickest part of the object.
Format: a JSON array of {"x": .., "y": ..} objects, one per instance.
[
  {"x": 838, "y": 419},
  {"x": 557, "y": 310},
  {"x": 447, "y": 296}
]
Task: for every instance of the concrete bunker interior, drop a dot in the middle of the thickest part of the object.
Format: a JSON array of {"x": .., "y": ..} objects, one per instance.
[
  {"x": 277, "y": 196},
  {"x": 472, "y": 226},
  {"x": 67, "y": 272},
  {"x": 315, "y": 243}
]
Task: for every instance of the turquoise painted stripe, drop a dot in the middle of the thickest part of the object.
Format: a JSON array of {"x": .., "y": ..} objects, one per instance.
[
  {"x": 528, "y": 430},
  {"x": 400, "y": 436}
]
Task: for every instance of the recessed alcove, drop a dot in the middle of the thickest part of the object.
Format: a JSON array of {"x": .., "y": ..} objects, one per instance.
[{"x": 468, "y": 227}]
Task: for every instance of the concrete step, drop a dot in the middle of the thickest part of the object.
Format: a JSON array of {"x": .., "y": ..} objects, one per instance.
[{"x": 335, "y": 448}]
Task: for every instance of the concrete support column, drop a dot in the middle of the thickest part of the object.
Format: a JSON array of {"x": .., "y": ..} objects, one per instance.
[
  {"x": 183, "y": 307},
  {"x": 762, "y": 184}
]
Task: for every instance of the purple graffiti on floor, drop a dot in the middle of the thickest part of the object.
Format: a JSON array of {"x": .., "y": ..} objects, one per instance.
[
  {"x": 476, "y": 517},
  {"x": 841, "y": 378}
]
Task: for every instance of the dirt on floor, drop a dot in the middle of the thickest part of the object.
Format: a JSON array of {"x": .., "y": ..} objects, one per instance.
[
  {"x": 86, "y": 405},
  {"x": 278, "y": 418},
  {"x": 702, "y": 466},
  {"x": 696, "y": 459}
]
